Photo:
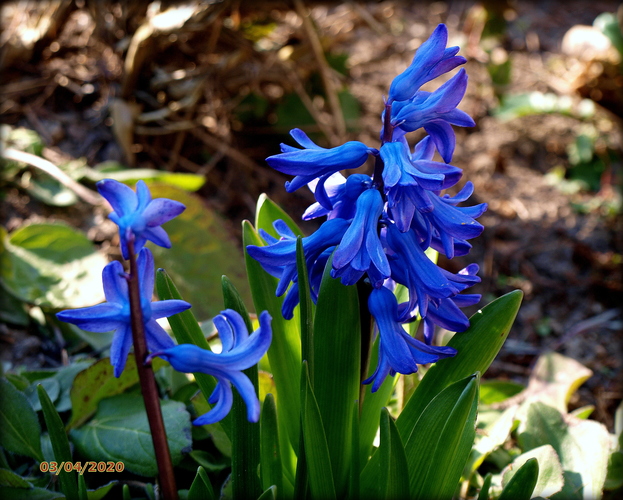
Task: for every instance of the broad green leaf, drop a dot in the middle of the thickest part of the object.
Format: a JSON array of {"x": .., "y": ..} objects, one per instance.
[
  {"x": 496, "y": 391},
  {"x": 393, "y": 477},
  {"x": 202, "y": 251},
  {"x": 317, "y": 456},
  {"x": 476, "y": 349},
  {"x": 98, "y": 493},
  {"x": 491, "y": 437},
  {"x": 521, "y": 485},
  {"x": 201, "y": 487},
  {"x": 52, "y": 388},
  {"x": 583, "y": 447},
  {"x": 9, "y": 478},
  {"x": 120, "y": 432},
  {"x": 553, "y": 381},
  {"x": 284, "y": 353},
  {"x": 60, "y": 444},
  {"x": 51, "y": 265},
  {"x": 18, "y": 435},
  {"x": 440, "y": 442},
  {"x": 270, "y": 457},
  {"x": 550, "y": 477},
  {"x": 47, "y": 189},
  {"x": 306, "y": 309},
  {"x": 337, "y": 360},
  {"x": 614, "y": 477},
  {"x": 267, "y": 212},
  {"x": 245, "y": 435},
  {"x": 12, "y": 493},
  {"x": 116, "y": 171},
  {"x": 373, "y": 402},
  {"x": 12, "y": 309},
  {"x": 97, "y": 382},
  {"x": 354, "y": 490}
]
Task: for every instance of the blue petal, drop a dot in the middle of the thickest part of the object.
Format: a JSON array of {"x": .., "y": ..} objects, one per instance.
[
  {"x": 115, "y": 283},
  {"x": 162, "y": 210},
  {"x": 143, "y": 195},
  {"x": 166, "y": 308},
  {"x": 120, "y": 348},
  {"x": 121, "y": 197},
  {"x": 157, "y": 339},
  {"x": 443, "y": 136},
  {"x": 224, "y": 400},
  {"x": 100, "y": 318}
]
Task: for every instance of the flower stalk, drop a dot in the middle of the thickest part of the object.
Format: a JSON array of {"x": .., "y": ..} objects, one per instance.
[{"x": 149, "y": 389}]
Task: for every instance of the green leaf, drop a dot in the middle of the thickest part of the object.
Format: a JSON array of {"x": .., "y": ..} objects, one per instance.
[
  {"x": 47, "y": 189},
  {"x": 614, "y": 477},
  {"x": 97, "y": 493},
  {"x": 337, "y": 359},
  {"x": 522, "y": 484},
  {"x": 245, "y": 435},
  {"x": 18, "y": 435},
  {"x": 60, "y": 444},
  {"x": 120, "y": 432},
  {"x": 284, "y": 353},
  {"x": 550, "y": 477},
  {"x": 9, "y": 478},
  {"x": 583, "y": 447},
  {"x": 96, "y": 383},
  {"x": 496, "y": 391},
  {"x": 201, "y": 487},
  {"x": 306, "y": 309},
  {"x": 12, "y": 493},
  {"x": 52, "y": 389},
  {"x": 491, "y": 436},
  {"x": 116, "y": 171},
  {"x": 316, "y": 449},
  {"x": 476, "y": 349},
  {"x": 267, "y": 212},
  {"x": 440, "y": 442},
  {"x": 373, "y": 402},
  {"x": 483, "y": 494},
  {"x": 269, "y": 494},
  {"x": 393, "y": 475},
  {"x": 202, "y": 251},
  {"x": 51, "y": 265},
  {"x": 554, "y": 379},
  {"x": 270, "y": 457}
]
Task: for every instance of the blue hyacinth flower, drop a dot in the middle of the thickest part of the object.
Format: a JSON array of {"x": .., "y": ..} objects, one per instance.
[
  {"x": 447, "y": 226},
  {"x": 114, "y": 314},
  {"x": 279, "y": 257},
  {"x": 360, "y": 250},
  {"x": 435, "y": 112},
  {"x": 339, "y": 196},
  {"x": 315, "y": 162},
  {"x": 431, "y": 60},
  {"x": 406, "y": 181},
  {"x": 398, "y": 351},
  {"x": 137, "y": 215},
  {"x": 239, "y": 352}
]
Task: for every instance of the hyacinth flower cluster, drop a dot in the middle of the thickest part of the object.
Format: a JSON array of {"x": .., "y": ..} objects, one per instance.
[
  {"x": 139, "y": 218},
  {"x": 378, "y": 227}
]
